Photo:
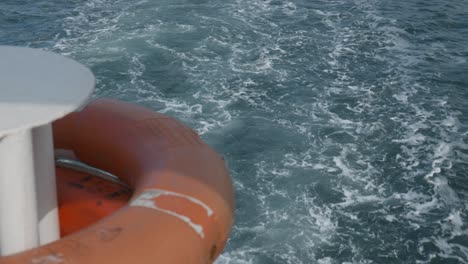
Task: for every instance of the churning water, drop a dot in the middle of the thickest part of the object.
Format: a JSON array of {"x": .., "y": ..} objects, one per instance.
[{"x": 344, "y": 122}]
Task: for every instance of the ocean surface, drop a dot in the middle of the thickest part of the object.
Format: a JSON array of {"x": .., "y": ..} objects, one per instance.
[{"x": 344, "y": 122}]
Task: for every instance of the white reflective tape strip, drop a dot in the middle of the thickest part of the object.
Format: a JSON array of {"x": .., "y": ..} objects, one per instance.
[{"x": 147, "y": 199}]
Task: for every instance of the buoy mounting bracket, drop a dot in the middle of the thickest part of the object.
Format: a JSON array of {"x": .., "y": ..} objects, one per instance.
[{"x": 36, "y": 88}]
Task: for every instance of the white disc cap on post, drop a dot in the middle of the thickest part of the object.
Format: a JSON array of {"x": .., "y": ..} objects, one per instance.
[{"x": 36, "y": 88}]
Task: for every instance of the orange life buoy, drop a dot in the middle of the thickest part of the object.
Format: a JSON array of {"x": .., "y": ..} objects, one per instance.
[{"x": 181, "y": 211}]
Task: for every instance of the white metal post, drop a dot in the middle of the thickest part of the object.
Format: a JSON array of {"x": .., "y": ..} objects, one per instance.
[
  {"x": 43, "y": 149},
  {"x": 18, "y": 214},
  {"x": 36, "y": 88}
]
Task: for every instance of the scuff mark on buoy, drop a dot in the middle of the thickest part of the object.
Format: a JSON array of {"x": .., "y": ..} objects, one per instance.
[
  {"x": 56, "y": 258},
  {"x": 148, "y": 199}
]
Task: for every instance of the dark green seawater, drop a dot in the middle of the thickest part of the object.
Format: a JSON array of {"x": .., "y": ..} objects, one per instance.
[{"x": 344, "y": 123}]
